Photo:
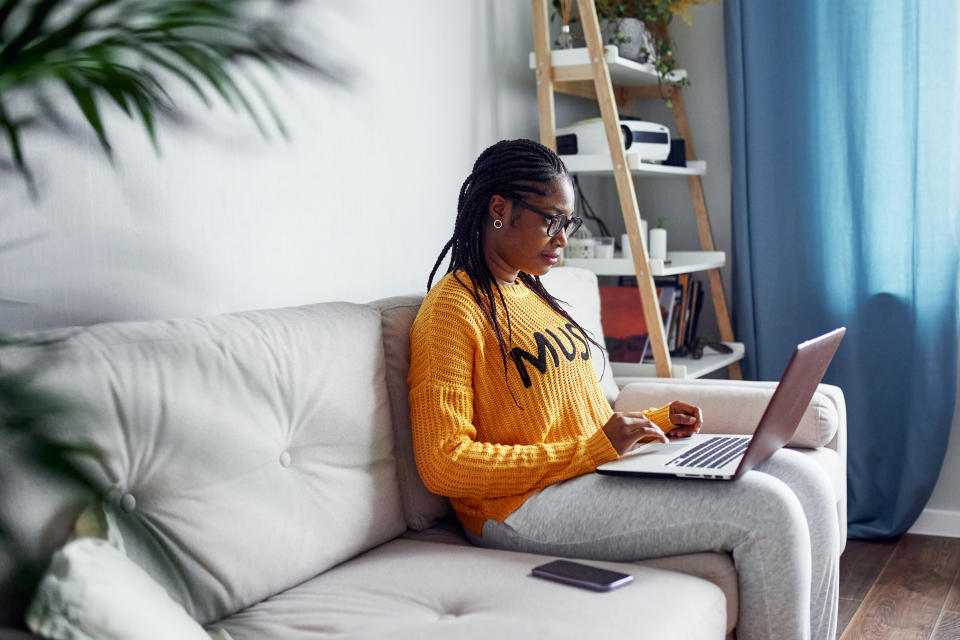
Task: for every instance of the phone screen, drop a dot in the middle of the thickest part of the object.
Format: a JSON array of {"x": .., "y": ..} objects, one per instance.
[{"x": 582, "y": 575}]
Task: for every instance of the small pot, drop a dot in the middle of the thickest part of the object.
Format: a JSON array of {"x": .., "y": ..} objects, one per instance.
[{"x": 631, "y": 37}]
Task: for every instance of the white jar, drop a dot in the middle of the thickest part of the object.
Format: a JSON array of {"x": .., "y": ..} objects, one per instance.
[
  {"x": 603, "y": 247},
  {"x": 625, "y": 243},
  {"x": 658, "y": 243}
]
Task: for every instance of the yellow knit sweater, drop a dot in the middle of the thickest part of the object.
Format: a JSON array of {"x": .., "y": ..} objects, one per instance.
[{"x": 473, "y": 443}]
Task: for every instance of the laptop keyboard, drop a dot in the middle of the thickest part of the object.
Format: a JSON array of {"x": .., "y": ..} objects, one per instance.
[{"x": 711, "y": 454}]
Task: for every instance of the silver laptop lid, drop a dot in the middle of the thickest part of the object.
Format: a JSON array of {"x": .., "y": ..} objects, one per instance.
[{"x": 780, "y": 419}]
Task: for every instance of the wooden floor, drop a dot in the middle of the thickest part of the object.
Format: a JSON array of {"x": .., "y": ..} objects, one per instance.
[{"x": 904, "y": 589}]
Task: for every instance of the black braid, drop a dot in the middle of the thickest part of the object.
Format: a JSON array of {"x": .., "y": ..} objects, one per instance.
[{"x": 511, "y": 169}]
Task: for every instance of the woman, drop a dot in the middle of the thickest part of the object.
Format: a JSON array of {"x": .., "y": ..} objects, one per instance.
[{"x": 509, "y": 421}]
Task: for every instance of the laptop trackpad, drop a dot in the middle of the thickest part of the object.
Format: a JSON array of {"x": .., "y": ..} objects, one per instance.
[{"x": 658, "y": 450}]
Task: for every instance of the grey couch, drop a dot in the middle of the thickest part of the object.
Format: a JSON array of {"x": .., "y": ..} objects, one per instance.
[{"x": 261, "y": 468}]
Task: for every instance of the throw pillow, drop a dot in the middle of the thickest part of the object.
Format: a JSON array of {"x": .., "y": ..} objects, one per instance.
[{"x": 92, "y": 591}]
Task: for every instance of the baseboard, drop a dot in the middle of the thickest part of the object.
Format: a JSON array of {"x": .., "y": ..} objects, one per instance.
[{"x": 937, "y": 522}]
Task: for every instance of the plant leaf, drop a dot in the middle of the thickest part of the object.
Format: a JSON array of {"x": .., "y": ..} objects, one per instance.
[
  {"x": 88, "y": 106},
  {"x": 6, "y": 8},
  {"x": 12, "y": 131},
  {"x": 268, "y": 103},
  {"x": 126, "y": 51},
  {"x": 158, "y": 59},
  {"x": 31, "y": 29}
]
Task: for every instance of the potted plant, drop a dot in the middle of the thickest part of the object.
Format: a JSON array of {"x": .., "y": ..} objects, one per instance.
[{"x": 639, "y": 29}]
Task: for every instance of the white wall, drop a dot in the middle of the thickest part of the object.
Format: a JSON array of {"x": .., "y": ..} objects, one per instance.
[
  {"x": 941, "y": 516},
  {"x": 356, "y": 206}
]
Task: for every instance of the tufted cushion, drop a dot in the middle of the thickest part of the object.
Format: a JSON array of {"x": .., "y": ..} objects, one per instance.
[
  {"x": 717, "y": 567},
  {"x": 577, "y": 288},
  {"x": 249, "y": 452},
  {"x": 425, "y": 591},
  {"x": 421, "y": 508}
]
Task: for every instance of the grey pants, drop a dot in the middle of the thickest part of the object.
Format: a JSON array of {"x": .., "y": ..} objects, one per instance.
[{"x": 766, "y": 520}]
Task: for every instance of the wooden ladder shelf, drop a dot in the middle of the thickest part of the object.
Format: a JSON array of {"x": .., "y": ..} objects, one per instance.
[{"x": 594, "y": 81}]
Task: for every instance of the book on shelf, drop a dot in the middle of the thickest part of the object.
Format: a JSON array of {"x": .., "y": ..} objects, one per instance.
[
  {"x": 669, "y": 301},
  {"x": 624, "y": 326},
  {"x": 685, "y": 286},
  {"x": 695, "y": 314}
]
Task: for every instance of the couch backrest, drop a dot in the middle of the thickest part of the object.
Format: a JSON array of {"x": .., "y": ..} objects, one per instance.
[
  {"x": 421, "y": 508},
  {"x": 249, "y": 451}
]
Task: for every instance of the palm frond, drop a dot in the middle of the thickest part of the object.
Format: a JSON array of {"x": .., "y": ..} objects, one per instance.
[
  {"x": 11, "y": 130},
  {"x": 88, "y": 106},
  {"x": 28, "y": 410},
  {"x": 127, "y": 51},
  {"x": 31, "y": 419}
]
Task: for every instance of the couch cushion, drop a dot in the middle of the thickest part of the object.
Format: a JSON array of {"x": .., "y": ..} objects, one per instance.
[
  {"x": 421, "y": 508},
  {"x": 422, "y": 590},
  {"x": 249, "y": 451},
  {"x": 717, "y": 567},
  {"x": 577, "y": 288}
]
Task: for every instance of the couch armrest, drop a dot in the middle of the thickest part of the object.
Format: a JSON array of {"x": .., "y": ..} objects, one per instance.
[{"x": 735, "y": 406}]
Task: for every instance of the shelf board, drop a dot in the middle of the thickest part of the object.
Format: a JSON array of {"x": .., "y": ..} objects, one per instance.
[
  {"x": 623, "y": 71},
  {"x": 680, "y": 262},
  {"x": 682, "y": 367},
  {"x": 600, "y": 163}
]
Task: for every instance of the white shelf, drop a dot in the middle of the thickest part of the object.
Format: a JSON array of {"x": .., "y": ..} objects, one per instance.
[
  {"x": 600, "y": 163},
  {"x": 682, "y": 367},
  {"x": 680, "y": 262},
  {"x": 623, "y": 71}
]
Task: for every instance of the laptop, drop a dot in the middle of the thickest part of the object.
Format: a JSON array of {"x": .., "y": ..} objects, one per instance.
[{"x": 727, "y": 457}]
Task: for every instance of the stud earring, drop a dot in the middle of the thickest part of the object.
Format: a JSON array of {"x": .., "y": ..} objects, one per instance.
[{"x": 497, "y": 224}]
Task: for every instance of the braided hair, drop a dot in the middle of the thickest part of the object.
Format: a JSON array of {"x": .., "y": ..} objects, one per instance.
[{"x": 511, "y": 169}]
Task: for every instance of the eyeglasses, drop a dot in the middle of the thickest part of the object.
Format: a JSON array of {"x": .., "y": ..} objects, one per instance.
[{"x": 556, "y": 222}]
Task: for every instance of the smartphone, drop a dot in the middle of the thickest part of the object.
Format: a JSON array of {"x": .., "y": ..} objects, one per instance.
[{"x": 582, "y": 575}]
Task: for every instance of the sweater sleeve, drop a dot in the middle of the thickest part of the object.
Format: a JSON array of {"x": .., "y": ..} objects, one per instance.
[
  {"x": 452, "y": 463},
  {"x": 660, "y": 417}
]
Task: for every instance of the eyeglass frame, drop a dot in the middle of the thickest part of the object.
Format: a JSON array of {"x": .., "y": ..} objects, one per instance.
[{"x": 552, "y": 218}]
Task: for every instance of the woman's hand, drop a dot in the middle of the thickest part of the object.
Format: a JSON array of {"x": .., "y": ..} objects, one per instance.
[
  {"x": 624, "y": 430},
  {"x": 687, "y": 418}
]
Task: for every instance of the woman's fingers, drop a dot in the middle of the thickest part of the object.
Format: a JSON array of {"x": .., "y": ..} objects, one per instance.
[
  {"x": 686, "y": 415},
  {"x": 624, "y": 431},
  {"x": 649, "y": 432}
]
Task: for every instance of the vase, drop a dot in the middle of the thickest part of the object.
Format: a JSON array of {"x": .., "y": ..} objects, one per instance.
[
  {"x": 631, "y": 37},
  {"x": 565, "y": 41}
]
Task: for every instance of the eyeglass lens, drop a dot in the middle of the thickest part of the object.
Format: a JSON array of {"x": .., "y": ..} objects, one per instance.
[{"x": 569, "y": 225}]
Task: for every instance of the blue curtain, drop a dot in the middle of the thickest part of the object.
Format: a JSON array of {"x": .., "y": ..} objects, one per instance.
[{"x": 844, "y": 132}]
